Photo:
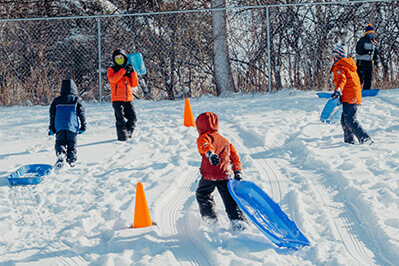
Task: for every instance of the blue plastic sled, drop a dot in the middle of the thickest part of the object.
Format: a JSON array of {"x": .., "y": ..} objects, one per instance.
[
  {"x": 365, "y": 93},
  {"x": 332, "y": 111},
  {"x": 267, "y": 215},
  {"x": 29, "y": 174},
  {"x": 136, "y": 60}
]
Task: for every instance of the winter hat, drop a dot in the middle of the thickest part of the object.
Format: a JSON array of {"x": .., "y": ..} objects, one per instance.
[
  {"x": 369, "y": 29},
  {"x": 340, "y": 52},
  {"x": 119, "y": 52}
]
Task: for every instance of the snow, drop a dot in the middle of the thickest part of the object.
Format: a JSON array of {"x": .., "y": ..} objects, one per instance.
[{"x": 344, "y": 198}]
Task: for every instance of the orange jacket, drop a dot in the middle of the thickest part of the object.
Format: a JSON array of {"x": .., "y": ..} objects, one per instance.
[
  {"x": 210, "y": 140},
  {"x": 347, "y": 79},
  {"x": 122, "y": 86}
]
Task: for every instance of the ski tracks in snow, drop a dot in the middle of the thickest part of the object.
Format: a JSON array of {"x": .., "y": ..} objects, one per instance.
[
  {"x": 341, "y": 222},
  {"x": 342, "y": 225},
  {"x": 267, "y": 168},
  {"x": 181, "y": 238}
]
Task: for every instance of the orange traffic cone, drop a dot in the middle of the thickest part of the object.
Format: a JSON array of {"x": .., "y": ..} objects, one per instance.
[
  {"x": 188, "y": 114},
  {"x": 141, "y": 213}
]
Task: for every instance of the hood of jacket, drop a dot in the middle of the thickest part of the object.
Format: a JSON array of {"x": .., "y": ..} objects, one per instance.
[
  {"x": 207, "y": 122},
  {"x": 119, "y": 52},
  {"x": 68, "y": 86},
  {"x": 346, "y": 62}
]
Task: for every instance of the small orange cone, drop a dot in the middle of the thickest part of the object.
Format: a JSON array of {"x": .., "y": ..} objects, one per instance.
[
  {"x": 188, "y": 114},
  {"x": 141, "y": 213}
]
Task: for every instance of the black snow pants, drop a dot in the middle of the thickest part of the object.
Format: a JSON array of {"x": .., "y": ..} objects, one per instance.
[
  {"x": 350, "y": 125},
  {"x": 207, "y": 204},
  {"x": 65, "y": 142},
  {"x": 365, "y": 72},
  {"x": 125, "y": 116}
]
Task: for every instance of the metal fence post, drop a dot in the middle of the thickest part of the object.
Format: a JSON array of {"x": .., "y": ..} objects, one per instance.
[
  {"x": 268, "y": 49},
  {"x": 99, "y": 57}
]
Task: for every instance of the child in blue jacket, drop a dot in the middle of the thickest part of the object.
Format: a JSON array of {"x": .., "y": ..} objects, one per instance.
[{"x": 65, "y": 113}]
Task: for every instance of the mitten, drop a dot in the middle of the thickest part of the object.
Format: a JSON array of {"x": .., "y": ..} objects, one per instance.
[
  {"x": 213, "y": 158},
  {"x": 336, "y": 94},
  {"x": 238, "y": 175},
  {"x": 51, "y": 132},
  {"x": 129, "y": 69},
  {"x": 81, "y": 131}
]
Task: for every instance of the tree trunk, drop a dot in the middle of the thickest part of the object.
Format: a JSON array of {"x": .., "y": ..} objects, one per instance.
[{"x": 221, "y": 58}]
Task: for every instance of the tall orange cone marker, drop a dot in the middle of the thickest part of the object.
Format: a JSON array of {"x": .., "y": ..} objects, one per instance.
[
  {"x": 141, "y": 213},
  {"x": 188, "y": 114}
]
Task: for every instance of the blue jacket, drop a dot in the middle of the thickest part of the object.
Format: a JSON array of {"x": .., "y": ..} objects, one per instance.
[{"x": 67, "y": 108}]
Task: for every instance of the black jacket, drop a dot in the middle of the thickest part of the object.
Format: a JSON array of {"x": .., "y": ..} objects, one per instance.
[
  {"x": 59, "y": 119},
  {"x": 364, "y": 50}
]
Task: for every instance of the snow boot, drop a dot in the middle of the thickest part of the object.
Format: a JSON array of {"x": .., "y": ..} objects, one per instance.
[
  {"x": 71, "y": 163},
  {"x": 210, "y": 220},
  {"x": 238, "y": 225},
  {"x": 60, "y": 160},
  {"x": 368, "y": 141}
]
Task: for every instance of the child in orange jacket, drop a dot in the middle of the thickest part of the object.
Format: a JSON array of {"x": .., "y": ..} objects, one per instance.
[
  {"x": 348, "y": 88},
  {"x": 123, "y": 79},
  {"x": 220, "y": 162}
]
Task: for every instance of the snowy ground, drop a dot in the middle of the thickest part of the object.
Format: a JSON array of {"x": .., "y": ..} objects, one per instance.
[{"x": 344, "y": 198}]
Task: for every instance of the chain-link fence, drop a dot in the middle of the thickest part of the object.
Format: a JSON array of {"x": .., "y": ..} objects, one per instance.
[{"x": 269, "y": 48}]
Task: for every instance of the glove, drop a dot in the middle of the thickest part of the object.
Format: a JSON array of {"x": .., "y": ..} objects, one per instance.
[
  {"x": 81, "y": 131},
  {"x": 51, "y": 132},
  {"x": 238, "y": 175},
  {"x": 213, "y": 158},
  {"x": 129, "y": 69},
  {"x": 336, "y": 94}
]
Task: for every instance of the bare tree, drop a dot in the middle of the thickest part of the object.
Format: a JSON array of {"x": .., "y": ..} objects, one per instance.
[{"x": 221, "y": 58}]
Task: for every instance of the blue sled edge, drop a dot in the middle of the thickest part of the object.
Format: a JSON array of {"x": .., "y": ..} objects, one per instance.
[
  {"x": 30, "y": 174},
  {"x": 136, "y": 60},
  {"x": 266, "y": 215},
  {"x": 365, "y": 93},
  {"x": 331, "y": 112}
]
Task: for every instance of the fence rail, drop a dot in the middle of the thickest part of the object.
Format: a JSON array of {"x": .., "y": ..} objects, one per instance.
[{"x": 269, "y": 48}]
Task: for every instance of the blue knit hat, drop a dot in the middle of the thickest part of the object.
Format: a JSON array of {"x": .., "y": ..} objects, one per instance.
[
  {"x": 339, "y": 52},
  {"x": 369, "y": 29}
]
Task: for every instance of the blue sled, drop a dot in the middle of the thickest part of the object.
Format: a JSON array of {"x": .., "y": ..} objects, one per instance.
[
  {"x": 332, "y": 111},
  {"x": 136, "y": 60},
  {"x": 365, "y": 93},
  {"x": 267, "y": 215},
  {"x": 31, "y": 174}
]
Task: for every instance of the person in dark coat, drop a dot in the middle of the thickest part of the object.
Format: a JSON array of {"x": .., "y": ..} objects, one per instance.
[
  {"x": 220, "y": 162},
  {"x": 123, "y": 78},
  {"x": 367, "y": 57},
  {"x": 67, "y": 119}
]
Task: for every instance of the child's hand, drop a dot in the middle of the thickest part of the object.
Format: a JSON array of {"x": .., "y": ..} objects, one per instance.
[
  {"x": 129, "y": 69},
  {"x": 50, "y": 132},
  {"x": 213, "y": 158},
  {"x": 336, "y": 94},
  {"x": 238, "y": 175}
]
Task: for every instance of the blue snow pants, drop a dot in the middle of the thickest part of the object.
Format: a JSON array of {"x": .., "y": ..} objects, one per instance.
[
  {"x": 65, "y": 142},
  {"x": 350, "y": 125}
]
